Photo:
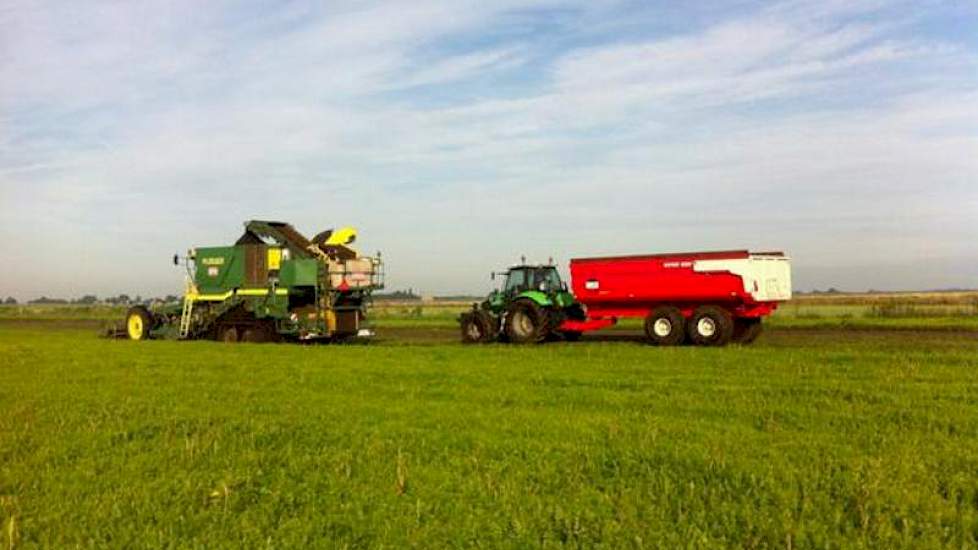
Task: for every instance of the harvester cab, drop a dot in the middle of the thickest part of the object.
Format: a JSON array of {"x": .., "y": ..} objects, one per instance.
[{"x": 530, "y": 306}]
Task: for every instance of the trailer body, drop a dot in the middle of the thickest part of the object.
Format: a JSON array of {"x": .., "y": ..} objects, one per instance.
[{"x": 734, "y": 287}]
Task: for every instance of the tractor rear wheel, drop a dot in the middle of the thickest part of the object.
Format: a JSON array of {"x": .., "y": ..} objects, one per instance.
[
  {"x": 526, "y": 322},
  {"x": 477, "y": 328},
  {"x": 139, "y": 321},
  {"x": 710, "y": 326},
  {"x": 664, "y": 326},
  {"x": 747, "y": 330}
]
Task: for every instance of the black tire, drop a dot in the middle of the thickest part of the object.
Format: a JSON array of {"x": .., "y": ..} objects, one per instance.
[
  {"x": 526, "y": 323},
  {"x": 229, "y": 335},
  {"x": 710, "y": 326},
  {"x": 575, "y": 312},
  {"x": 747, "y": 330},
  {"x": 476, "y": 328},
  {"x": 260, "y": 333},
  {"x": 139, "y": 321},
  {"x": 665, "y": 326},
  {"x": 571, "y": 335}
]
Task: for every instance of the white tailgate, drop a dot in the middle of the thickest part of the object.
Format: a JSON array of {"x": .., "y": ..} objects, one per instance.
[{"x": 767, "y": 278}]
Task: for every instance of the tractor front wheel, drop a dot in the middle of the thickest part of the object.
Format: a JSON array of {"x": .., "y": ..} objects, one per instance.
[
  {"x": 526, "y": 323},
  {"x": 139, "y": 321},
  {"x": 477, "y": 328}
]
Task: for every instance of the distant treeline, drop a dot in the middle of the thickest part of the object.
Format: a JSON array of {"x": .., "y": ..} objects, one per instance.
[
  {"x": 89, "y": 299},
  {"x": 124, "y": 299}
]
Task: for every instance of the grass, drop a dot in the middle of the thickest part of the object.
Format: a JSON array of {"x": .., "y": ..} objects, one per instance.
[{"x": 809, "y": 439}]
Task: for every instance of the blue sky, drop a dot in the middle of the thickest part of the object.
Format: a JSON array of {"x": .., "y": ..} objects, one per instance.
[{"x": 460, "y": 135}]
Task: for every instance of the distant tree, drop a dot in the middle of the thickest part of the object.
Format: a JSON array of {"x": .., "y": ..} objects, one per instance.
[
  {"x": 398, "y": 295},
  {"x": 45, "y": 300},
  {"x": 87, "y": 300},
  {"x": 10, "y": 301},
  {"x": 122, "y": 299},
  {"x": 170, "y": 298}
]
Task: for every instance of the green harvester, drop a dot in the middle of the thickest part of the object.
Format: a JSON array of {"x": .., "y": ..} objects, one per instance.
[
  {"x": 531, "y": 306},
  {"x": 273, "y": 284}
]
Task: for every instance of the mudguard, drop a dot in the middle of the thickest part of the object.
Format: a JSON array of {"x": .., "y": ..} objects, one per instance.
[{"x": 540, "y": 298}]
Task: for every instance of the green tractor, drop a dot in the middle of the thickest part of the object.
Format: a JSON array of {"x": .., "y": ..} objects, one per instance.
[{"x": 533, "y": 305}]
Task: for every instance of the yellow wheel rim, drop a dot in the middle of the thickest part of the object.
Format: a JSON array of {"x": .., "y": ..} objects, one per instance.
[{"x": 135, "y": 327}]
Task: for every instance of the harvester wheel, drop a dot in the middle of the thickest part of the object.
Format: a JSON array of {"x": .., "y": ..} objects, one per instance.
[
  {"x": 664, "y": 326},
  {"x": 262, "y": 332},
  {"x": 254, "y": 335},
  {"x": 476, "y": 328},
  {"x": 229, "y": 335},
  {"x": 710, "y": 326},
  {"x": 747, "y": 330},
  {"x": 138, "y": 323},
  {"x": 526, "y": 322}
]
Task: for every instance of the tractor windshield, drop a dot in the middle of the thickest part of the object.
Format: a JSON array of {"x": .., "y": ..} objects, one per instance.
[{"x": 546, "y": 279}]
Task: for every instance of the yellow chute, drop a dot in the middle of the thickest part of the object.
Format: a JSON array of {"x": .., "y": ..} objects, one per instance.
[{"x": 342, "y": 236}]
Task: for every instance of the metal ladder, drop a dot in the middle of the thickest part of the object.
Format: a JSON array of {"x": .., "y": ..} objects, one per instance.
[{"x": 185, "y": 317}]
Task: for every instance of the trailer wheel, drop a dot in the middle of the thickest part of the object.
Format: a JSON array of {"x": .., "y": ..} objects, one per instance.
[
  {"x": 476, "y": 328},
  {"x": 664, "y": 326},
  {"x": 710, "y": 326},
  {"x": 138, "y": 323},
  {"x": 747, "y": 330},
  {"x": 526, "y": 323}
]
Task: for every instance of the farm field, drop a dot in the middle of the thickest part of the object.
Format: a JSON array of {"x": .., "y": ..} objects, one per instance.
[{"x": 843, "y": 426}]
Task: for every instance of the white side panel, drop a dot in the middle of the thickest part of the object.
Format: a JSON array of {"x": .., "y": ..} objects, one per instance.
[{"x": 766, "y": 278}]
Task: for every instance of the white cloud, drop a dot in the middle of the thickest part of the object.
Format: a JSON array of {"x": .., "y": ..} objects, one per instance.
[{"x": 834, "y": 134}]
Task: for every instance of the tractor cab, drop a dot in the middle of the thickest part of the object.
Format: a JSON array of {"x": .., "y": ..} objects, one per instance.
[{"x": 523, "y": 278}]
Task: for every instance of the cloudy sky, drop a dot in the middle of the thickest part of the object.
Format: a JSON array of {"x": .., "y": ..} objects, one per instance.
[{"x": 458, "y": 135}]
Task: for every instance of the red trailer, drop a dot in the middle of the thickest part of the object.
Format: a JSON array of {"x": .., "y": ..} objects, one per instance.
[{"x": 707, "y": 298}]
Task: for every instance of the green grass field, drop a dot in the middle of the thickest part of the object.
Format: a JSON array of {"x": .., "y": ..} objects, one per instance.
[{"x": 832, "y": 436}]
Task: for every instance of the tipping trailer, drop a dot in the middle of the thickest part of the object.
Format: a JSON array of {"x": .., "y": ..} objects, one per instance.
[
  {"x": 706, "y": 298},
  {"x": 703, "y": 298},
  {"x": 272, "y": 284}
]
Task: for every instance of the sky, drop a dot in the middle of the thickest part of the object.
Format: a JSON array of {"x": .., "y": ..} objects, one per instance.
[{"x": 459, "y": 135}]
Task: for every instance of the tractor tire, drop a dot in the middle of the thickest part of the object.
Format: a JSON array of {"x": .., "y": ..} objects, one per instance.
[
  {"x": 229, "y": 335},
  {"x": 747, "y": 330},
  {"x": 571, "y": 335},
  {"x": 139, "y": 321},
  {"x": 526, "y": 323},
  {"x": 477, "y": 328},
  {"x": 575, "y": 312},
  {"x": 710, "y": 326},
  {"x": 665, "y": 326}
]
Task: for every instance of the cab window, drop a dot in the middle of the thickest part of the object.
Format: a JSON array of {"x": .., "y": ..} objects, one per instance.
[
  {"x": 546, "y": 279},
  {"x": 516, "y": 280}
]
